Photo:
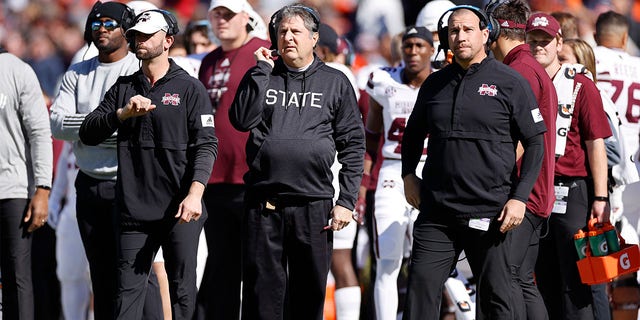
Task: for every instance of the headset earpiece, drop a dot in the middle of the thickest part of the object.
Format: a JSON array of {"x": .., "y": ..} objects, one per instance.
[
  {"x": 88, "y": 38},
  {"x": 485, "y": 22}
]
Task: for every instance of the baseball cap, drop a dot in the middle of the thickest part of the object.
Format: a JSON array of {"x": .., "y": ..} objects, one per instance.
[
  {"x": 418, "y": 32},
  {"x": 544, "y": 22},
  {"x": 431, "y": 13},
  {"x": 233, "y": 5},
  {"x": 149, "y": 22},
  {"x": 140, "y": 6},
  {"x": 328, "y": 37}
]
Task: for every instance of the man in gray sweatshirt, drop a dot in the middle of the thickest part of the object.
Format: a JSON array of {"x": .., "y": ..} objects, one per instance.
[
  {"x": 83, "y": 87},
  {"x": 26, "y": 166}
]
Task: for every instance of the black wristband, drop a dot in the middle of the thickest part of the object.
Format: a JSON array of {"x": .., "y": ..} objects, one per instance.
[
  {"x": 605, "y": 199},
  {"x": 44, "y": 187}
]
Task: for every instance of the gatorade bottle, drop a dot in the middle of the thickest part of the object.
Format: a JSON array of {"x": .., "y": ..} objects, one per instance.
[
  {"x": 611, "y": 235},
  {"x": 598, "y": 243},
  {"x": 580, "y": 241}
]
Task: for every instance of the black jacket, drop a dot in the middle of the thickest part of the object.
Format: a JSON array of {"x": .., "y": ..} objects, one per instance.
[
  {"x": 298, "y": 120},
  {"x": 474, "y": 119},
  {"x": 161, "y": 153}
]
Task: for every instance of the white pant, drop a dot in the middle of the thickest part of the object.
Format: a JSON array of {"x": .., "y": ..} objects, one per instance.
[
  {"x": 73, "y": 267},
  {"x": 393, "y": 215}
]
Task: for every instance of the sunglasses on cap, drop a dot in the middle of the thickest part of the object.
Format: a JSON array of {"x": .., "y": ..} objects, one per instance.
[{"x": 110, "y": 25}]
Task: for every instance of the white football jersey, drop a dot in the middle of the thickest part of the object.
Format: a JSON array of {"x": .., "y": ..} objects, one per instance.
[
  {"x": 397, "y": 100},
  {"x": 619, "y": 76}
]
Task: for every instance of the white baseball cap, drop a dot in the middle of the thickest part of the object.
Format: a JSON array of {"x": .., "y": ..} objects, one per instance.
[
  {"x": 233, "y": 5},
  {"x": 431, "y": 13},
  {"x": 149, "y": 22},
  {"x": 140, "y": 6}
]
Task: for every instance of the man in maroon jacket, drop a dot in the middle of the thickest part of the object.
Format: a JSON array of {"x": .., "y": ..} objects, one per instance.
[
  {"x": 510, "y": 48},
  {"x": 221, "y": 72}
]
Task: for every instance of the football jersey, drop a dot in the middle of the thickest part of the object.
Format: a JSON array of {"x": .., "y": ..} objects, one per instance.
[
  {"x": 397, "y": 100},
  {"x": 619, "y": 76}
]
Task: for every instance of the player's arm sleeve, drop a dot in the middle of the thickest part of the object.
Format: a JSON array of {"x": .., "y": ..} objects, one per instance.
[
  {"x": 530, "y": 168},
  {"x": 246, "y": 110},
  {"x": 530, "y": 122},
  {"x": 203, "y": 144},
  {"x": 349, "y": 139},
  {"x": 102, "y": 122},
  {"x": 35, "y": 119},
  {"x": 414, "y": 134}
]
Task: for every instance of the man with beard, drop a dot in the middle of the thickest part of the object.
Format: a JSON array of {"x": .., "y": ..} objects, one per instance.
[
  {"x": 166, "y": 149},
  {"x": 83, "y": 87}
]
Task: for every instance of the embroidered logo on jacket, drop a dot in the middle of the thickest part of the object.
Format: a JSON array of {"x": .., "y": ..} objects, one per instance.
[
  {"x": 488, "y": 90},
  {"x": 171, "y": 99}
]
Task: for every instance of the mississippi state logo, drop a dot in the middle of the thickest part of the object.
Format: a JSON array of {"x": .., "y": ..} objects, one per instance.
[
  {"x": 144, "y": 17},
  {"x": 488, "y": 90},
  {"x": 388, "y": 184},
  {"x": 390, "y": 91},
  {"x": 171, "y": 99},
  {"x": 540, "y": 21}
]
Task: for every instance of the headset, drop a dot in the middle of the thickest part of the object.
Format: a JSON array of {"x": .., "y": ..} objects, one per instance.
[
  {"x": 171, "y": 20},
  {"x": 273, "y": 31},
  {"x": 172, "y": 24},
  {"x": 126, "y": 21},
  {"x": 486, "y": 21},
  {"x": 493, "y": 5}
]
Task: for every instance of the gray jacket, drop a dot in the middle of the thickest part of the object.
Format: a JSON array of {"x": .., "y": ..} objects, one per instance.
[{"x": 26, "y": 153}]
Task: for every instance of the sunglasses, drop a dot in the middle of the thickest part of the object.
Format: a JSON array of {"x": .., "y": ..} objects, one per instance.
[{"x": 110, "y": 25}]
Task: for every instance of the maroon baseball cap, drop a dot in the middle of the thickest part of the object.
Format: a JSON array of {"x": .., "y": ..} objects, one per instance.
[{"x": 544, "y": 22}]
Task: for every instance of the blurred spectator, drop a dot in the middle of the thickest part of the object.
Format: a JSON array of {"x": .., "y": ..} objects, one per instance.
[
  {"x": 568, "y": 24},
  {"x": 45, "y": 61},
  {"x": 198, "y": 38}
]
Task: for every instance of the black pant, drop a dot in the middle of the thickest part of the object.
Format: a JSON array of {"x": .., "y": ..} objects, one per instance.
[
  {"x": 46, "y": 287},
  {"x": 95, "y": 211},
  {"x": 439, "y": 237},
  {"x": 137, "y": 249},
  {"x": 565, "y": 296},
  {"x": 97, "y": 220},
  {"x": 219, "y": 293},
  {"x": 286, "y": 260},
  {"x": 15, "y": 261},
  {"x": 524, "y": 247}
]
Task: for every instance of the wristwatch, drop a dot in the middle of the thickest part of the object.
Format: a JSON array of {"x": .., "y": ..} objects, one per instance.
[{"x": 605, "y": 199}]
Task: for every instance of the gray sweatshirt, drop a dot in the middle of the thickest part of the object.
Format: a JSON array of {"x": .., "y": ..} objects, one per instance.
[
  {"x": 83, "y": 87},
  {"x": 26, "y": 153}
]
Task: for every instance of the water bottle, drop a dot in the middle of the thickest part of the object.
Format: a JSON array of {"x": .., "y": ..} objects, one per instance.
[
  {"x": 598, "y": 243},
  {"x": 580, "y": 241},
  {"x": 611, "y": 235}
]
